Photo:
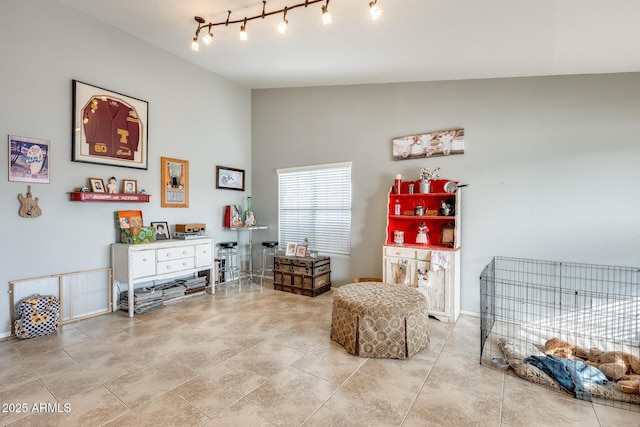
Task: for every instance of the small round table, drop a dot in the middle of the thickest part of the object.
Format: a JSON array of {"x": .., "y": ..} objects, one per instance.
[{"x": 373, "y": 319}]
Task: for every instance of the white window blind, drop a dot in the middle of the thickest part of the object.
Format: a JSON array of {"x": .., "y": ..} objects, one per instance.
[{"x": 315, "y": 203}]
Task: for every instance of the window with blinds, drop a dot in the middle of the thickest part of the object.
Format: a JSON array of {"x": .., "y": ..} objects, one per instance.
[{"x": 315, "y": 203}]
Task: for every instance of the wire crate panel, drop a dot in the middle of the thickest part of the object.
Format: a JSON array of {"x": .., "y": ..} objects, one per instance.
[{"x": 526, "y": 302}]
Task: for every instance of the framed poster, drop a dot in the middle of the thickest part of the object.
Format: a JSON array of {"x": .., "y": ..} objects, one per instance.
[
  {"x": 28, "y": 159},
  {"x": 432, "y": 144},
  {"x": 229, "y": 178},
  {"x": 109, "y": 128},
  {"x": 175, "y": 183}
]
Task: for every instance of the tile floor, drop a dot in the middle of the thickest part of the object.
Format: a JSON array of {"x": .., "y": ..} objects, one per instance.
[{"x": 258, "y": 357}]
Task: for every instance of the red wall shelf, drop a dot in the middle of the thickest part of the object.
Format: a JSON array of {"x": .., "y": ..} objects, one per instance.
[{"x": 82, "y": 196}]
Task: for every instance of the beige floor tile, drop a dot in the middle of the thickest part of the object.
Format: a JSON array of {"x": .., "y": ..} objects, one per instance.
[
  {"x": 330, "y": 362},
  {"x": 246, "y": 413},
  {"x": 324, "y": 417},
  {"x": 93, "y": 407},
  {"x": 166, "y": 410},
  {"x": 140, "y": 387},
  {"x": 609, "y": 416},
  {"x": 64, "y": 337},
  {"x": 409, "y": 373},
  {"x": 18, "y": 402},
  {"x": 443, "y": 404},
  {"x": 34, "y": 367},
  {"x": 267, "y": 358},
  {"x": 219, "y": 387},
  {"x": 528, "y": 404},
  {"x": 293, "y": 394},
  {"x": 79, "y": 379},
  {"x": 371, "y": 400}
]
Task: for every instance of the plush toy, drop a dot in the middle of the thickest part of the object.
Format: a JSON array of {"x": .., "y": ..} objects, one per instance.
[
  {"x": 560, "y": 348},
  {"x": 615, "y": 365},
  {"x": 629, "y": 384}
]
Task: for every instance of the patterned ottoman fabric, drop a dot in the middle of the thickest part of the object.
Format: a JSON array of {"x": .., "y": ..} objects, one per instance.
[{"x": 373, "y": 319}]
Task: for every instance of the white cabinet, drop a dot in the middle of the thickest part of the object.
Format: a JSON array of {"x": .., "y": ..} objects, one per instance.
[
  {"x": 434, "y": 272},
  {"x": 167, "y": 259}
]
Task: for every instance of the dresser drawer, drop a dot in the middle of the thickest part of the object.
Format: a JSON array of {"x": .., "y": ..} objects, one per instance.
[
  {"x": 203, "y": 255},
  {"x": 175, "y": 265},
  {"x": 175, "y": 253},
  {"x": 143, "y": 263},
  {"x": 400, "y": 252}
]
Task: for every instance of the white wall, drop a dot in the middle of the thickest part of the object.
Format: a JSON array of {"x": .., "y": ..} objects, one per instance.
[
  {"x": 551, "y": 163},
  {"x": 194, "y": 115}
]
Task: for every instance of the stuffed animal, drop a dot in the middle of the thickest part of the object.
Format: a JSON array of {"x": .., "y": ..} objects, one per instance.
[
  {"x": 629, "y": 384},
  {"x": 615, "y": 365},
  {"x": 560, "y": 348}
]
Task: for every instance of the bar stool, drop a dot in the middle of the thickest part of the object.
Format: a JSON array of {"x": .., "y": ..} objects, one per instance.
[
  {"x": 228, "y": 255},
  {"x": 268, "y": 255}
]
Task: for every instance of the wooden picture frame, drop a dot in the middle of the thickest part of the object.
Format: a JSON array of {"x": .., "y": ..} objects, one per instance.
[
  {"x": 301, "y": 251},
  {"x": 447, "y": 234},
  {"x": 174, "y": 183},
  {"x": 162, "y": 230},
  {"x": 431, "y": 144},
  {"x": 28, "y": 160},
  {"x": 229, "y": 178},
  {"x": 291, "y": 249},
  {"x": 130, "y": 186},
  {"x": 97, "y": 185},
  {"x": 102, "y": 138}
]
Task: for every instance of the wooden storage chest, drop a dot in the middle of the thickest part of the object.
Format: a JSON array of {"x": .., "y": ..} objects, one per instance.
[{"x": 304, "y": 276}]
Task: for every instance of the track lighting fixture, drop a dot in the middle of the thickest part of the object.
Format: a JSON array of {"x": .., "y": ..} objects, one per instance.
[{"x": 374, "y": 10}]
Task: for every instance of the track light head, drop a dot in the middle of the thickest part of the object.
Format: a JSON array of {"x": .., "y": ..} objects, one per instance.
[
  {"x": 326, "y": 16},
  {"x": 194, "y": 44},
  {"x": 374, "y": 10},
  {"x": 282, "y": 26},
  {"x": 243, "y": 31}
]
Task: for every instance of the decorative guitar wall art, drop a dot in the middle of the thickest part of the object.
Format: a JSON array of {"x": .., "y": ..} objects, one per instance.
[{"x": 28, "y": 206}]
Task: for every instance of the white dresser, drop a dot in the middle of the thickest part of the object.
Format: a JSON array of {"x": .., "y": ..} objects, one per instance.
[{"x": 167, "y": 259}]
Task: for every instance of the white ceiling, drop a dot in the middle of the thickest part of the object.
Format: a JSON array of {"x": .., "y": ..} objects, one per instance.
[{"x": 414, "y": 40}]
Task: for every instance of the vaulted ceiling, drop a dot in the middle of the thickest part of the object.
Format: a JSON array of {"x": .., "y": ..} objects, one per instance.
[{"x": 414, "y": 40}]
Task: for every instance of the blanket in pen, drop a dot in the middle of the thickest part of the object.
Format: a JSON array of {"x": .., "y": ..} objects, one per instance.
[{"x": 571, "y": 374}]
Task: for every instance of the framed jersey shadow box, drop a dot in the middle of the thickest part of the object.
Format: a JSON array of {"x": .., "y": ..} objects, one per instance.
[{"x": 109, "y": 128}]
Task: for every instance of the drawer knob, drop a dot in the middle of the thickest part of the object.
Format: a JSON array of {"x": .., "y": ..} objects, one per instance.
[{"x": 168, "y": 267}]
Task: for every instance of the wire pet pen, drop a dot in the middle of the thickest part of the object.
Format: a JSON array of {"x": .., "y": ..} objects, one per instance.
[{"x": 526, "y": 302}]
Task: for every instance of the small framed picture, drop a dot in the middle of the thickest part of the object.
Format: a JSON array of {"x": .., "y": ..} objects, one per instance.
[
  {"x": 229, "y": 178},
  {"x": 162, "y": 230},
  {"x": 97, "y": 185},
  {"x": 291, "y": 249},
  {"x": 301, "y": 251},
  {"x": 130, "y": 186},
  {"x": 447, "y": 234}
]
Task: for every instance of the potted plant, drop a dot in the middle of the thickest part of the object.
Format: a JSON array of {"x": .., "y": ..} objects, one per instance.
[{"x": 426, "y": 176}]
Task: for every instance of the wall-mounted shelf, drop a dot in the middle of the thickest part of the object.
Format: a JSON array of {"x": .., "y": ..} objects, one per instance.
[{"x": 83, "y": 196}]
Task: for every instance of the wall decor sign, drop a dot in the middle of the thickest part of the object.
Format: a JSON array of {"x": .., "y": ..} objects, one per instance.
[
  {"x": 433, "y": 144},
  {"x": 28, "y": 159},
  {"x": 109, "y": 128},
  {"x": 229, "y": 178},
  {"x": 175, "y": 183}
]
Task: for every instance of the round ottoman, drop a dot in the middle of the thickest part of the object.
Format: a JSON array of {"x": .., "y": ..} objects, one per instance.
[{"x": 373, "y": 319}]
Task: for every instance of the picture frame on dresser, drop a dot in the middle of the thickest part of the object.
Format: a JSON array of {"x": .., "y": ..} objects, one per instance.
[
  {"x": 103, "y": 138},
  {"x": 162, "y": 230}
]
